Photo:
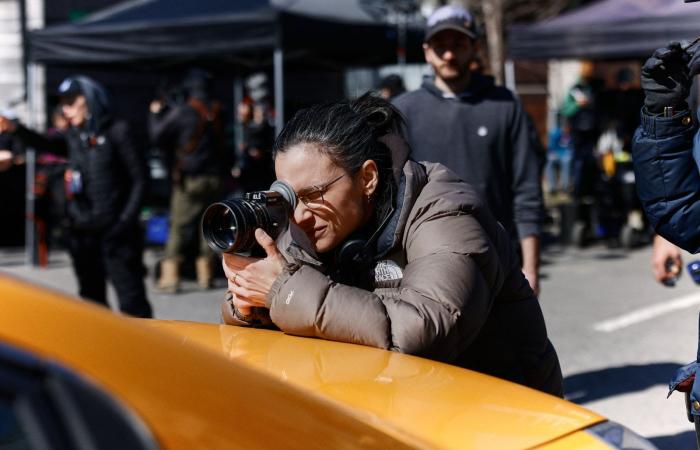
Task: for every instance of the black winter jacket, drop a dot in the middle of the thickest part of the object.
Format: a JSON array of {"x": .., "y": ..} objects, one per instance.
[
  {"x": 112, "y": 170},
  {"x": 181, "y": 127}
]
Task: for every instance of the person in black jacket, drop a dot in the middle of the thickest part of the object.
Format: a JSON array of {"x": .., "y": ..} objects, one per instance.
[
  {"x": 105, "y": 186},
  {"x": 192, "y": 135}
]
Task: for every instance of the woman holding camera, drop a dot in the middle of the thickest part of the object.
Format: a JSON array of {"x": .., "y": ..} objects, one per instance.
[{"x": 387, "y": 252}]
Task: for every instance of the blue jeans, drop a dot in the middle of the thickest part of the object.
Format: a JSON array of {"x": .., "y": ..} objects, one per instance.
[{"x": 558, "y": 162}]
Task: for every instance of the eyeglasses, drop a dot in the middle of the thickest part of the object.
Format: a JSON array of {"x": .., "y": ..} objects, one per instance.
[{"x": 312, "y": 196}]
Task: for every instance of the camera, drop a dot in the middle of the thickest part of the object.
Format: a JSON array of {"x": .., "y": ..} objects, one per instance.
[{"x": 229, "y": 226}]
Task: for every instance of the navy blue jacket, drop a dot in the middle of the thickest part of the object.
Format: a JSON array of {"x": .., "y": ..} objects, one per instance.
[{"x": 665, "y": 152}]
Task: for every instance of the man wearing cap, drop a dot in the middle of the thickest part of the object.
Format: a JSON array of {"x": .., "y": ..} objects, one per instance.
[
  {"x": 105, "y": 186},
  {"x": 478, "y": 130}
]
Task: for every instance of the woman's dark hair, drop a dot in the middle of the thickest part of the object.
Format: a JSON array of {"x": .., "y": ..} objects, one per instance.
[{"x": 348, "y": 132}]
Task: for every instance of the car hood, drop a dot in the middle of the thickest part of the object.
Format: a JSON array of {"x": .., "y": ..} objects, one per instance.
[
  {"x": 441, "y": 404},
  {"x": 198, "y": 385}
]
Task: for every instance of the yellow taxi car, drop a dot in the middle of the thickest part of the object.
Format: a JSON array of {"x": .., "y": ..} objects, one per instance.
[{"x": 76, "y": 376}]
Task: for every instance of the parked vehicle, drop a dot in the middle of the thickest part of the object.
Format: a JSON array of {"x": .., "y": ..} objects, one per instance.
[{"x": 76, "y": 376}]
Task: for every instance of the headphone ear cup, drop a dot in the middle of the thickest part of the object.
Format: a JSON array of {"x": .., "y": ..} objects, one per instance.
[{"x": 353, "y": 254}]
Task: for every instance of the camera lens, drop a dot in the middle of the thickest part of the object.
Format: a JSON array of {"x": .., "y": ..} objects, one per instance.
[
  {"x": 223, "y": 227},
  {"x": 229, "y": 226},
  {"x": 220, "y": 227}
]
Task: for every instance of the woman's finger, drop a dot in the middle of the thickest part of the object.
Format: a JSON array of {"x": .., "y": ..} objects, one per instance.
[
  {"x": 266, "y": 242},
  {"x": 247, "y": 295}
]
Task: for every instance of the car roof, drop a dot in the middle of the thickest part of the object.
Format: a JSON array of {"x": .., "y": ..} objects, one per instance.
[{"x": 219, "y": 386}]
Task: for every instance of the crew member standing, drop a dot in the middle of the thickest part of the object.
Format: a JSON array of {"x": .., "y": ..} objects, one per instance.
[
  {"x": 105, "y": 186},
  {"x": 193, "y": 131},
  {"x": 479, "y": 130}
]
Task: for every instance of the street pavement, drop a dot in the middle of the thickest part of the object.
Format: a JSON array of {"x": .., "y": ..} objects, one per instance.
[{"x": 619, "y": 334}]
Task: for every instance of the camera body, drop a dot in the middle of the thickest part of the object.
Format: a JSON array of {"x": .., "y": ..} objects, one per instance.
[{"x": 229, "y": 226}]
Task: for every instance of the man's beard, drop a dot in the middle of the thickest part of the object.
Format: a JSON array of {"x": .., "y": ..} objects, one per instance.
[{"x": 450, "y": 72}]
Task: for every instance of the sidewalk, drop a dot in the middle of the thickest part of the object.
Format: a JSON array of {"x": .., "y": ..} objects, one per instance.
[{"x": 192, "y": 304}]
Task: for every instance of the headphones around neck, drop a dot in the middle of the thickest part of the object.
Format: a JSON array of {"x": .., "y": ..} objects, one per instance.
[
  {"x": 354, "y": 254},
  {"x": 358, "y": 251}
]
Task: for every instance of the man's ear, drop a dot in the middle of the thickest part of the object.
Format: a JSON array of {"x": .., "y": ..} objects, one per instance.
[
  {"x": 476, "y": 44},
  {"x": 369, "y": 173},
  {"x": 426, "y": 49}
]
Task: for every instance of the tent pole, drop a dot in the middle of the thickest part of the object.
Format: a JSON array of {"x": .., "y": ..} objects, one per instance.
[
  {"x": 278, "y": 62},
  {"x": 510, "y": 74},
  {"x": 237, "y": 126},
  {"x": 30, "y": 164}
]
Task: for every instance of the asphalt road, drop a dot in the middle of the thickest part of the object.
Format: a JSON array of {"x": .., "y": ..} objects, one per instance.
[{"x": 619, "y": 335}]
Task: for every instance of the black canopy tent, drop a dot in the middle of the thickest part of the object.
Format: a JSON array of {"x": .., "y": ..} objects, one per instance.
[
  {"x": 238, "y": 35},
  {"x": 344, "y": 32},
  {"x": 607, "y": 29},
  {"x": 249, "y": 33}
]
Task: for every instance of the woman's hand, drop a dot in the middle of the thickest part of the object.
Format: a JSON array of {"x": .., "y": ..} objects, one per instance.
[{"x": 250, "y": 279}]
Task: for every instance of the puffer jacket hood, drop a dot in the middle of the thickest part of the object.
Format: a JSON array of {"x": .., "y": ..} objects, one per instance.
[{"x": 98, "y": 100}]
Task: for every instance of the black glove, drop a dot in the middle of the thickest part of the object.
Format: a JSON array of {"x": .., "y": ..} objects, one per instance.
[{"x": 666, "y": 79}]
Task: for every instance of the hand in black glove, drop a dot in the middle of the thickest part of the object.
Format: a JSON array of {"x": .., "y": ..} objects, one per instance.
[{"x": 666, "y": 79}]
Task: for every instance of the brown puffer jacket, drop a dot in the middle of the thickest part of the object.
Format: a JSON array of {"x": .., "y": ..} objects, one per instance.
[{"x": 449, "y": 288}]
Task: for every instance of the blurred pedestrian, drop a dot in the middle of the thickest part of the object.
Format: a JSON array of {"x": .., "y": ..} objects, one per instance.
[
  {"x": 478, "y": 130},
  {"x": 559, "y": 153},
  {"x": 49, "y": 190},
  {"x": 254, "y": 168},
  {"x": 582, "y": 109},
  {"x": 105, "y": 186},
  {"x": 192, "y": 133},
  {"x": 627, "y": 99},
  {"x": 391, "y": 86}
]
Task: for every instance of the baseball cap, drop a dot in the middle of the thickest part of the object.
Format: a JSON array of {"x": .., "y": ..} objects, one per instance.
[
  {"x": 450, "y": 17},
  {"x": 70, "y": 87}
]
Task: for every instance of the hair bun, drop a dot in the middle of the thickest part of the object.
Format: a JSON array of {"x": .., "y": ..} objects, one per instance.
[{"x": 377, "y": 113}]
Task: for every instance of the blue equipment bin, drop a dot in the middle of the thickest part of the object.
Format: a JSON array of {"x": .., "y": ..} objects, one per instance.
[{"x": 157, "y": 229}]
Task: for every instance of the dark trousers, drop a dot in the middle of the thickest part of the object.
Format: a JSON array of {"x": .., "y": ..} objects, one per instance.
[
  {"x": 97, "y": 257},
  {"x": 583, "y": 165}
]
